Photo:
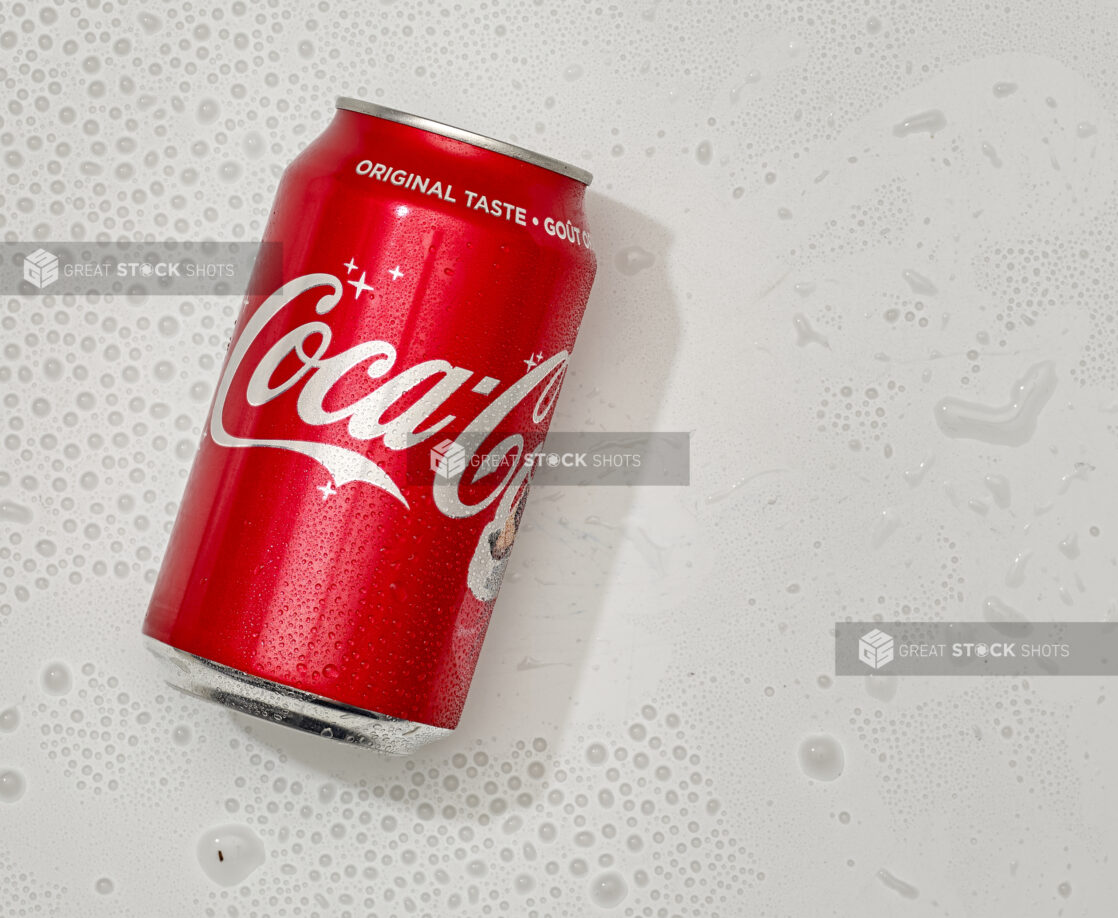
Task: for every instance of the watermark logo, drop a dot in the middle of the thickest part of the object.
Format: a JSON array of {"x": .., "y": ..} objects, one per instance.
[
  {"x": 40, "y": 268},
  {"x": 1007, "y": 647},
  {"x": 128, "y": 268},
  {"x": 875, "y": 648},
  {"x": 448, "y": 459}
]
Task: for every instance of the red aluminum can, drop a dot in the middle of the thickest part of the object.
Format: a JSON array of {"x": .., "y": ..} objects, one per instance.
[{"x": 339, "y": 547}]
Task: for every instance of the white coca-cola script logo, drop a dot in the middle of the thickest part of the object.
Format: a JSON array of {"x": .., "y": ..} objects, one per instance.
[{"x": 364, "y": 418}]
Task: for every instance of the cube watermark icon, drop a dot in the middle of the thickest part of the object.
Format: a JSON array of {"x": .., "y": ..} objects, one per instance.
[
  {"x": 40, "y": 268},
  {"x": 448, "y": 459},
  {"x": 875, "y": 649}
]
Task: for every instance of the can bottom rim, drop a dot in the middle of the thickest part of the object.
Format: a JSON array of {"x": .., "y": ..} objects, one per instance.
[{"x": 291, "y": 707}]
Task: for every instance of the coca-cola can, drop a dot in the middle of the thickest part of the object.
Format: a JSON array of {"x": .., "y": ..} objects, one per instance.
[{"x": 363, "y": 472}]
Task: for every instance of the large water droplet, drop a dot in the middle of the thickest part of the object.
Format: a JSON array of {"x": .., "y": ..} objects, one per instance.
[
  {"x": 11, "y": 512},
  {"x": 918, "y": 283},
  {"x": 1005, "y": 619},
  {"x": 207, "y": 111},
  {"x": 608, "y": 889},
  {"x": 821, "y": 757},
  {"x": 104, "y": 886},
  {"x": 805, "y": 334},
  {"x": 1008, "y": 425},
  {"x": 9, "y": 719},
  {"x": 1015, "y": 576},
  {"x": 57, "y": 679},
  {"x": 12, "y": 786},
  {"x": 883, "y": 688},
  {"x": 999, "y": 487},
  {"x": 1069, "y": 547},
  {"x": 633, "y": 259},
  {"x": 886, "y": 525},
  {"x": 916, "y": 475},
  {"x": 991, "y": 154},
  {"x": 897, "y": 885},
  {"x": 229, "y": 854},
  {"x": 926, "y": 122}
]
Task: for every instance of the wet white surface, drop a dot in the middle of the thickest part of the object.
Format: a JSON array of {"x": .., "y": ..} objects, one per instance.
[{"x": 865, "y": 254}]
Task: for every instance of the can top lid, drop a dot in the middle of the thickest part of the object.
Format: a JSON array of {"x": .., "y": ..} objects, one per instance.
[{"x": 477, "y": 140}]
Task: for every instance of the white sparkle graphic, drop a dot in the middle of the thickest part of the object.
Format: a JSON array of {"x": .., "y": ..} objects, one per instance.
[
  {"x": 328, "y": 490},
  {"x": 530, "y": 362},
  {"x": 349, "y": 266},
  {"x": 360, "y": 286},
  {"x": 396, "y": 273}
]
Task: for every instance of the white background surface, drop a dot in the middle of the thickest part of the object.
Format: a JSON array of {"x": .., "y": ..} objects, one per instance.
[{"x": 749, "y": 149}]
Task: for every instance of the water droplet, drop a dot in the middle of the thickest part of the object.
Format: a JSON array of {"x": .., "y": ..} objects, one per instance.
[
  {"x": 229, "y": 854},
  {"x": 1064, "y": 889},
  {"x": 207, "y": 111},
  {"x": 821, "y": 757},
  {"x": 1069, "y": 547},
  {"x": 633, "y": 259},
  {"x": 704, "y": 153},
  {"x": 887, "y": 524},
  {"x": 11, "y": 512},
  {"x": 918, "y": 283},
  {"x": 609, "y": 889},
  {"x": 1004, "y": 618},
  {"x": 12, "y": 785},
  {"x": 916, "y": 475},
  {"x": 999, "y": 488},
  {"x": 181, "y": 735},
  {"x": 925, "y": 122},
  {"x": 9, "y": 719},
  {"x": 57, "y": 679},
  {"x": 1009, "y": 425},
  {"x": 898, "y": 886},
  {"x": 1015, "y": 576},
  {"x": 1081, "y": 473},
  {"x": 104, "y": 886},
  {"x": 596, "y": 753},
  {"x": 253, "y": 145},
  {"x": 805, "y": 334},
  {"x": 883, "y": 688},
  {"x": 1001, "y": 90}
]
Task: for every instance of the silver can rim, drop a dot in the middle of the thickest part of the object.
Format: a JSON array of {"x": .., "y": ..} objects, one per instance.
[
  {"x": 456, "y": 133},
  {"x": 288, "y": 706}
]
